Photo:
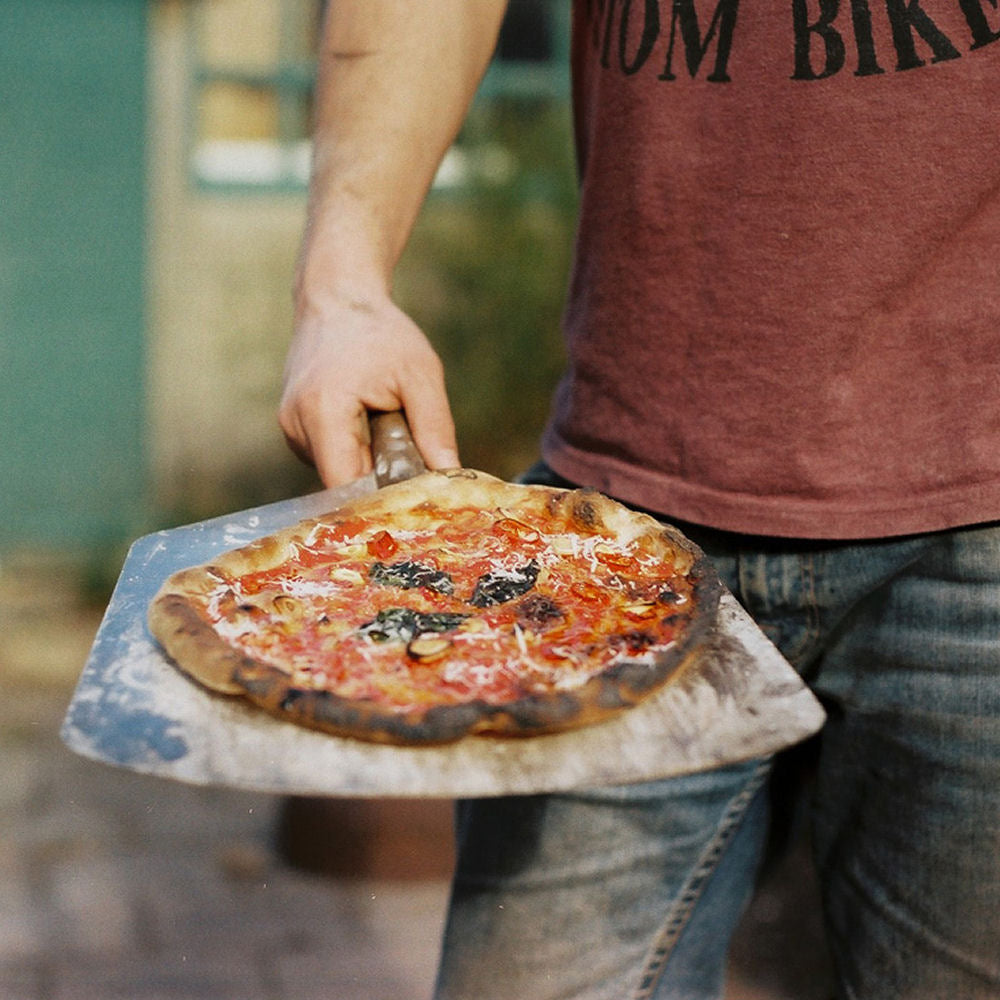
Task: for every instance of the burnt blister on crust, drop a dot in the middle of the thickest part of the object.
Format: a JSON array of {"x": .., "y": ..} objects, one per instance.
[
  {"x": 535, "y": 714},
  {"x": 634, "y": 641},
  {"x": 633, "y": 676},
  {"x": 586, "y": 512},
  {"x": 332, "y": 713}
]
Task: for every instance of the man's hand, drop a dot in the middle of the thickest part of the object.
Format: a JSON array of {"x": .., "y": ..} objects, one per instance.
[
  {"x": 352, "y": 356},
  {"x": 395, "y": 79}
]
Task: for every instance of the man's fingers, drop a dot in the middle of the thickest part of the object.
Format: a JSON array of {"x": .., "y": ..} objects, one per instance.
[
  {"x": 341, "y": 452},
  {"x": 431, "y": 424},
  {"x": 336, "y": 444},
  {"x": 342, "y": 458}
]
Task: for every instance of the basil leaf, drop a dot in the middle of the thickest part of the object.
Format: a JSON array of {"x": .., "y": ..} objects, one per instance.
[
  {"x": 409, "y": 575},
  {"x": 403, "y": 624},
  {"x": 499, "y": 586}
]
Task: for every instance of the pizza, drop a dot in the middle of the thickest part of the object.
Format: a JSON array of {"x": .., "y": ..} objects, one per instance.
[{"x": 450, "y": 604}]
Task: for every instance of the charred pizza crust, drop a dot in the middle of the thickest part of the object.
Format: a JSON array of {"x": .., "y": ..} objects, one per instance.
[{"x": 178, "y": 620}]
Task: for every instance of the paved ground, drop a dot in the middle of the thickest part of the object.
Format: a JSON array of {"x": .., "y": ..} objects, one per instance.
[{"x": 116, "y": 886}]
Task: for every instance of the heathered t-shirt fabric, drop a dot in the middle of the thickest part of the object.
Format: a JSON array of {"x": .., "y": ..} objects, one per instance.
[{"x": 784, "y": 311}]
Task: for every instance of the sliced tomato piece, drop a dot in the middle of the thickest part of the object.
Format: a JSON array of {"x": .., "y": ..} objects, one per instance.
[
  {"x": 339, "y": 531},
  {"x": 620, "y": 562},
  {"x": 382, "y": 545}
]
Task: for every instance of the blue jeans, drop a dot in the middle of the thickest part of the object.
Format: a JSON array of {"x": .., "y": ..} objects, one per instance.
[{"x": 634, "y": 892}]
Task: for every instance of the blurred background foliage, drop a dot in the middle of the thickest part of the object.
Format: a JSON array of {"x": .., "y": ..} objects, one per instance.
[{"x": 485, "y": 276}]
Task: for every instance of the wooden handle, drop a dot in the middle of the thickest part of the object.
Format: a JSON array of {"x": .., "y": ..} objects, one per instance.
[{"x": 394, "y": 454}]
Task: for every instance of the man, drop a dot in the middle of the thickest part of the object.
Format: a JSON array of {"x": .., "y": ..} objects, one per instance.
[{"x": 784, "y": 334}]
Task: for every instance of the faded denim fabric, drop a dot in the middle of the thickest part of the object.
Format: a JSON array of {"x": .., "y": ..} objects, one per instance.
[{"x": 634, "y": 892}]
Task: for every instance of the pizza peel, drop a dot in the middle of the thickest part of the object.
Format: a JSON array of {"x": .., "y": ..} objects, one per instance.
[{"x": 736, "y": 699}]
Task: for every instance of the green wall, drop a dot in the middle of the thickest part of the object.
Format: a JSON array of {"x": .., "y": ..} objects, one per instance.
[{"x": 72, "y": 190}]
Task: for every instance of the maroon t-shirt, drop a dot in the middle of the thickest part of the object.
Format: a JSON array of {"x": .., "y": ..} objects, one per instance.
[{"x": 784, "y": 313}]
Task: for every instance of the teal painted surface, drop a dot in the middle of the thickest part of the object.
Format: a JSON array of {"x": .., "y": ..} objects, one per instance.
[{"x": 72, "y": 189}]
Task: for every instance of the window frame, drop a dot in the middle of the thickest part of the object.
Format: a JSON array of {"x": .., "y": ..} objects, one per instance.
[{"x": 291, "y": 80}]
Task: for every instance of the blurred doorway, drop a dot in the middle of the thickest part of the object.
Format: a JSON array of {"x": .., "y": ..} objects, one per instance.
[{"x": 72, "y": 258}]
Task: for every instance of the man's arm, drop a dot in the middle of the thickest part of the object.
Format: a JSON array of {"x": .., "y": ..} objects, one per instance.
[{"x": 395, "y": 80}]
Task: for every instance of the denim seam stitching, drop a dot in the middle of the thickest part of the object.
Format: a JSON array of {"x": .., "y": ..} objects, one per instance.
[
  {"x": 813, "y": 616},
  {"x": 680, "y": 912}
]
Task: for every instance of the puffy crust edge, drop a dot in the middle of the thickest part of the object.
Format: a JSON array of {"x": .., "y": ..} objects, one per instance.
[{"x": 194, "y": 645}]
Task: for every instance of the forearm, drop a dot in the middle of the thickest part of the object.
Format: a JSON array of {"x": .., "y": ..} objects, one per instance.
[{"x": 395, "y": 80}]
